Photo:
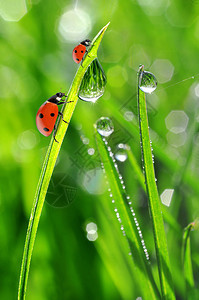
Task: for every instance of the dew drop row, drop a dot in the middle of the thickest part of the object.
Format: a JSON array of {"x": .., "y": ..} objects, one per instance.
[{"x": 127, "y": 198}]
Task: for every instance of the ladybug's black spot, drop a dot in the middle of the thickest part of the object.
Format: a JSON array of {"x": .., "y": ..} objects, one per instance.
[
  {"x": 45, "y": 129},
  {"x": 82, "y": 51},
  {"x": 75, "y": 51},
  {"x": 77, "y": 59},
  {"x": 41, "y": 116},
  {"x": 52, "y": 114}
]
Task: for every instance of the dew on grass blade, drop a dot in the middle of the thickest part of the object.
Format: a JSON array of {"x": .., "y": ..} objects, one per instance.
[
  {"x": 93, "y": 83},
  {"x": 121, "y": 152},
  {"x": 104, "y": 126},
  {"x": 114, "y": 201},
  {"x": 147, "y": 81}
]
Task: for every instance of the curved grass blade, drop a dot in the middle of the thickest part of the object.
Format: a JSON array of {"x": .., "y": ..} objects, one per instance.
[
  {"x": 187, "y": 263},
  {"x": 49, "y": 163},
  {"x": 141, "y": 267},
  {"x": 164, "y": 269}
]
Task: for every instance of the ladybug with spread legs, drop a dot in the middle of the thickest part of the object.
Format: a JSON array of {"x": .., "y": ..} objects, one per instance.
[
  {"x": 80, "y": 50},
  {"x": 48, "y": 113}
]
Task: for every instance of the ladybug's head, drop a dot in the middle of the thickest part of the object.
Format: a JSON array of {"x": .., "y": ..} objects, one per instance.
[
  {"x": 56, "y": 98},
  {"x": 86, "y": 43},
  {"x": 60, "y": 95}
]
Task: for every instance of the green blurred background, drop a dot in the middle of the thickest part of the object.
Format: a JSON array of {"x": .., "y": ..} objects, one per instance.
[{"x": 72, "y": 258}]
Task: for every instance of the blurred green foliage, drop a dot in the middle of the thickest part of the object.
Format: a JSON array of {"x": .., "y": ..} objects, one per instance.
[{"x": 36, "y": 63}]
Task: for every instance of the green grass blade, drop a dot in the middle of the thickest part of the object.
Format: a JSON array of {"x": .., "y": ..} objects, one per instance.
[
  {"x": 140, "y": 265},
  {"x": 140, "y": 177},
  {"x": 136, "y": 168},
  {"x": 120, "y": 272},
  {"x": 159, "y": 147},
  {"x": 49, "y": 163},
  {"x": 187, "y": 263},
  {"x": 154, "y": 203}
]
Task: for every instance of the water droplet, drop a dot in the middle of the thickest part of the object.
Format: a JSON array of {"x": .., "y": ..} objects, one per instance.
[
  {"x": 91, "y": 151},
  {"x": 147, "y": 81},
  {"x": 121, "y": 152},
  {"x": 116, "y": 166},
  {"x": 105, "y": 126},
  {"x": 93, "y": 83},
  {"x": 111, "y": 154}
]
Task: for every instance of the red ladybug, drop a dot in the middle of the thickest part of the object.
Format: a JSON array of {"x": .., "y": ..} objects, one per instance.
[
  {"x": 80, "y": 50},
  {"x": 48, "y": 113}
]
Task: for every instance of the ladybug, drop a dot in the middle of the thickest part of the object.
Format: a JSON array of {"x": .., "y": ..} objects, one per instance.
[
  {"x": 80, "y": 50},
  {"x": 48, "y": 113}
]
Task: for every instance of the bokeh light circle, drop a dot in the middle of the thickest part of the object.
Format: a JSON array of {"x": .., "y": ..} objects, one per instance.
[{"x": 74, "y": 25}]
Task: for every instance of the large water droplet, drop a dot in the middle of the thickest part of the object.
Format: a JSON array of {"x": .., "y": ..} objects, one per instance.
[
  {"x": 104, "y": 126},
  {"x": 121, "y": 152},
  {"x": 94, "y": 82},
  {"x": 147, "y": 81}
]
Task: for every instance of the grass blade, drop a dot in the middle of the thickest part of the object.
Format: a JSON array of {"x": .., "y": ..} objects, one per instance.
[
  {"x": 136, "y": 168},
  {"x": 49, "y": 163},
  {"x": 154, "y": 203},
  {"x": 187, "y": 263},
  {"x": 140, "y": 177},
  {"x": 160, "y": 149},
  {"x": 141, "y": 267}
]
